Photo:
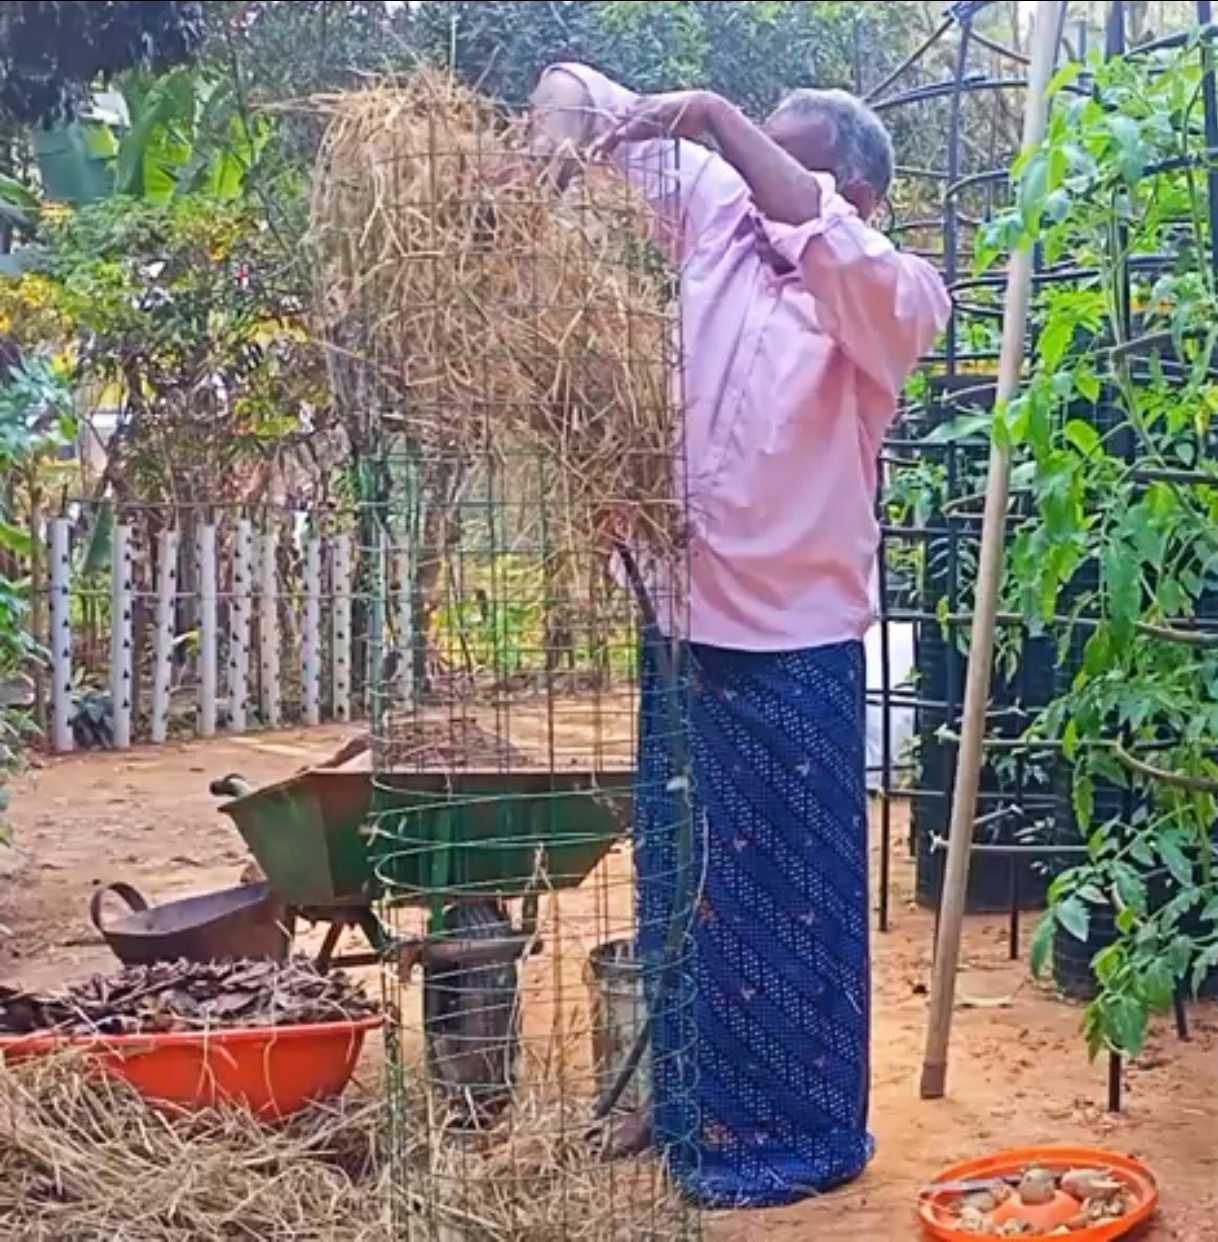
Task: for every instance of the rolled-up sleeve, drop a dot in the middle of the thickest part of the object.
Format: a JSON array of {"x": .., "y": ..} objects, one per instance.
[
  {"x": 881, "y": 307},
  {"x": 694, "y": 188}
]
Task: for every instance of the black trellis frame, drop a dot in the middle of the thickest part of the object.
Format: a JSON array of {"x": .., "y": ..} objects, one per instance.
[{"x": 1025, "y": 822}]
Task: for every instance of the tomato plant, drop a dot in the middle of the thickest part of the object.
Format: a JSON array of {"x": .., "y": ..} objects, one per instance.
[{"x": 1119, "y": 554}]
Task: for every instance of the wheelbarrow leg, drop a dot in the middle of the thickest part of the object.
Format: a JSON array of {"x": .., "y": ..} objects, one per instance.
[{"x": 327, "y": 946}]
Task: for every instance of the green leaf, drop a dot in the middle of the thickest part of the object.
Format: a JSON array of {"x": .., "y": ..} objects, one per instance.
[
  {"x": 17, "y": 194},
  {"x": 1088, "y": 384},
  {"x": 1176, "y": 861},
  {"x": 1180, "y": 954},
  {"x": 1131, "y": 890},
  {"x": 1033, "y": 185},
  {"x": 1042, "y": 943},
  {"x": 1093, "y": 1029},
  {"x": 1098, "y": 652},
  {"x": 1210, "y": 913},
  {"x": 1107, "y": 963},
  {"x": 1205, "y": 963},
  {"x": 1064, "y": 77},
  {"x": 1083, "y": 436},
  {"x": 1124, "y": 1020},
  {"x": 1156, "y": 986},
  {"x": 1074, "y": 916},
  {"x": 1084, "y": 801},
  {"x": 959, "y": 429},
  {"x": 1054, "y": 340},
  {"x": 1123, "y": 587},
  {"x": 15, "y": 539}
]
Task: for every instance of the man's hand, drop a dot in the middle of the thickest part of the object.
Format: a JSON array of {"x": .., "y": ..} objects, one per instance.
[{"x": 678, "y": 114}]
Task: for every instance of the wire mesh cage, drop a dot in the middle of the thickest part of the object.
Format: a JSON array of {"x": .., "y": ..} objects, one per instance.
[{"x": 504, "y": 337}]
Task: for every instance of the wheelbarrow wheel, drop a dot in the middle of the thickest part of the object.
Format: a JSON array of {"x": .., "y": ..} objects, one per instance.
[{"x": 471, "y": 1017}]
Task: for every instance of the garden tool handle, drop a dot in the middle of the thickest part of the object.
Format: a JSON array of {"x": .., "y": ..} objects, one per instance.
[
  {"x": 120, "y": 888},
  {"x": 230, "y": 786}
]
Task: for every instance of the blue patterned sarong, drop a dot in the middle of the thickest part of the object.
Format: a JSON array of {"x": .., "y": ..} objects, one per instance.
[{"x": 760, "y": 1050}]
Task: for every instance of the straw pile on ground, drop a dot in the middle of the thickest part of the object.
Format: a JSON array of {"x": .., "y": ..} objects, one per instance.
[
  {"x": 83, "y": 1157},
  {"x": 540, "y": 1175},
  {"x": 485, "y": 315}
]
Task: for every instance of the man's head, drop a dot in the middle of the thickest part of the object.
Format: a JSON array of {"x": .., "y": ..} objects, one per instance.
[{"x": 834, "y": 132}]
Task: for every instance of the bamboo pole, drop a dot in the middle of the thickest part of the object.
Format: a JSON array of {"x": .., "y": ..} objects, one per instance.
[
  {"x": 122, "y": 633},
  {"x": 1050, "y": 19}
]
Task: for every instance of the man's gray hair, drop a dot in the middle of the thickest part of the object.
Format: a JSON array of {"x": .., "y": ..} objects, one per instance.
[{"x": 862, "y": 146}]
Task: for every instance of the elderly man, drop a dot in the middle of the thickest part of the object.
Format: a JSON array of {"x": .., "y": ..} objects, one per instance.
[{"x": 800, "y": 324}]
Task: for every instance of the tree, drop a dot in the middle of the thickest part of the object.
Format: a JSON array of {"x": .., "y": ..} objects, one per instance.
[
  {"x": 53, "y": 53},
  {"x": 751, "y": 52}
]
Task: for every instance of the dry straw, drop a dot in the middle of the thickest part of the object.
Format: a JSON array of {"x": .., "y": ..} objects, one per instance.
[
  {"x": 83, "y": 1157},
  {"x": 86, "y": 1159},
  {"x": 484, "y": 314}
]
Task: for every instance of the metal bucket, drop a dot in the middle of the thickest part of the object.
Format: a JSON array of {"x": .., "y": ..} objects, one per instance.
[{"x": 615, "y": 979}]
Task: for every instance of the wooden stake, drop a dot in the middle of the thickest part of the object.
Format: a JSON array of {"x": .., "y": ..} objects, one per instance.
[{"x": 1050, "y": 17}]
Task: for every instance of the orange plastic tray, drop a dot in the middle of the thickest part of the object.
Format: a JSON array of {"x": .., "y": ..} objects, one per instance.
[
  {"x": 939, "y": 1221},
  {"x": 273, "y": 1071}
]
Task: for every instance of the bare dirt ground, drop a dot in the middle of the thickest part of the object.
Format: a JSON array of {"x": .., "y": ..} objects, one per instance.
[{"x": 1019, "y": 1074}]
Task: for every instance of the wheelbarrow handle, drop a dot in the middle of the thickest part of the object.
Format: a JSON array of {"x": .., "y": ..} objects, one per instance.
[
  {"x": 230, "y": 786},
  {"x": 120, "y": 888}
]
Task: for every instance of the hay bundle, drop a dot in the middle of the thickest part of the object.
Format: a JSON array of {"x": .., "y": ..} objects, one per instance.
[
  {"x": 83, "y": 1157},
  {"x": 484, "y": 314}
]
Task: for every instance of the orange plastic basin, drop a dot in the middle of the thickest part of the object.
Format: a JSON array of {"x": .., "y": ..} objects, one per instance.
[
  {"x": 935, "y": 1208},
  {"x": 273, "y": 1071}
]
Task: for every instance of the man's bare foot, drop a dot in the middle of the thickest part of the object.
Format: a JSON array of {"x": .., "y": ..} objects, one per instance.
[{"x": 628, "y": 1136}]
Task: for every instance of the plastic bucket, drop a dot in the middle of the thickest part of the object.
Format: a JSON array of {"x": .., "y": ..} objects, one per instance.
[{"x": 619, "y": 1009}]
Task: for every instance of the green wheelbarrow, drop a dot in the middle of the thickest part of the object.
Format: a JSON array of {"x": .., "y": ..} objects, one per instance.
[{"x": 334, "y": 844}]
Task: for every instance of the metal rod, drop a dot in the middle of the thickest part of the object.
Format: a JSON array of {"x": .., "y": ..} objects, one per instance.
[
  {"x": 912, "y": 59},
  {"x": 122, "y": 633},
  {"x": 162, "y": 643},
  {"x": 61, "y": 637},
  {"x": 1050, "y": 15},
  {"x": 1114, "y": 1082},
  {"x": 208, "y": 638},
  {"x": 1013, "y": 937}
]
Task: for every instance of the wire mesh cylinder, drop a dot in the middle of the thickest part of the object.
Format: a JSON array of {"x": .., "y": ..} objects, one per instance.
[
  {"x": 502, "y": 839},
  {"x": 506, "y": 341}
]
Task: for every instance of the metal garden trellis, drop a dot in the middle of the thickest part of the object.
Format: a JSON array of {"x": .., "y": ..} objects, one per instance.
[{"x": 1023, "y": 817}]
